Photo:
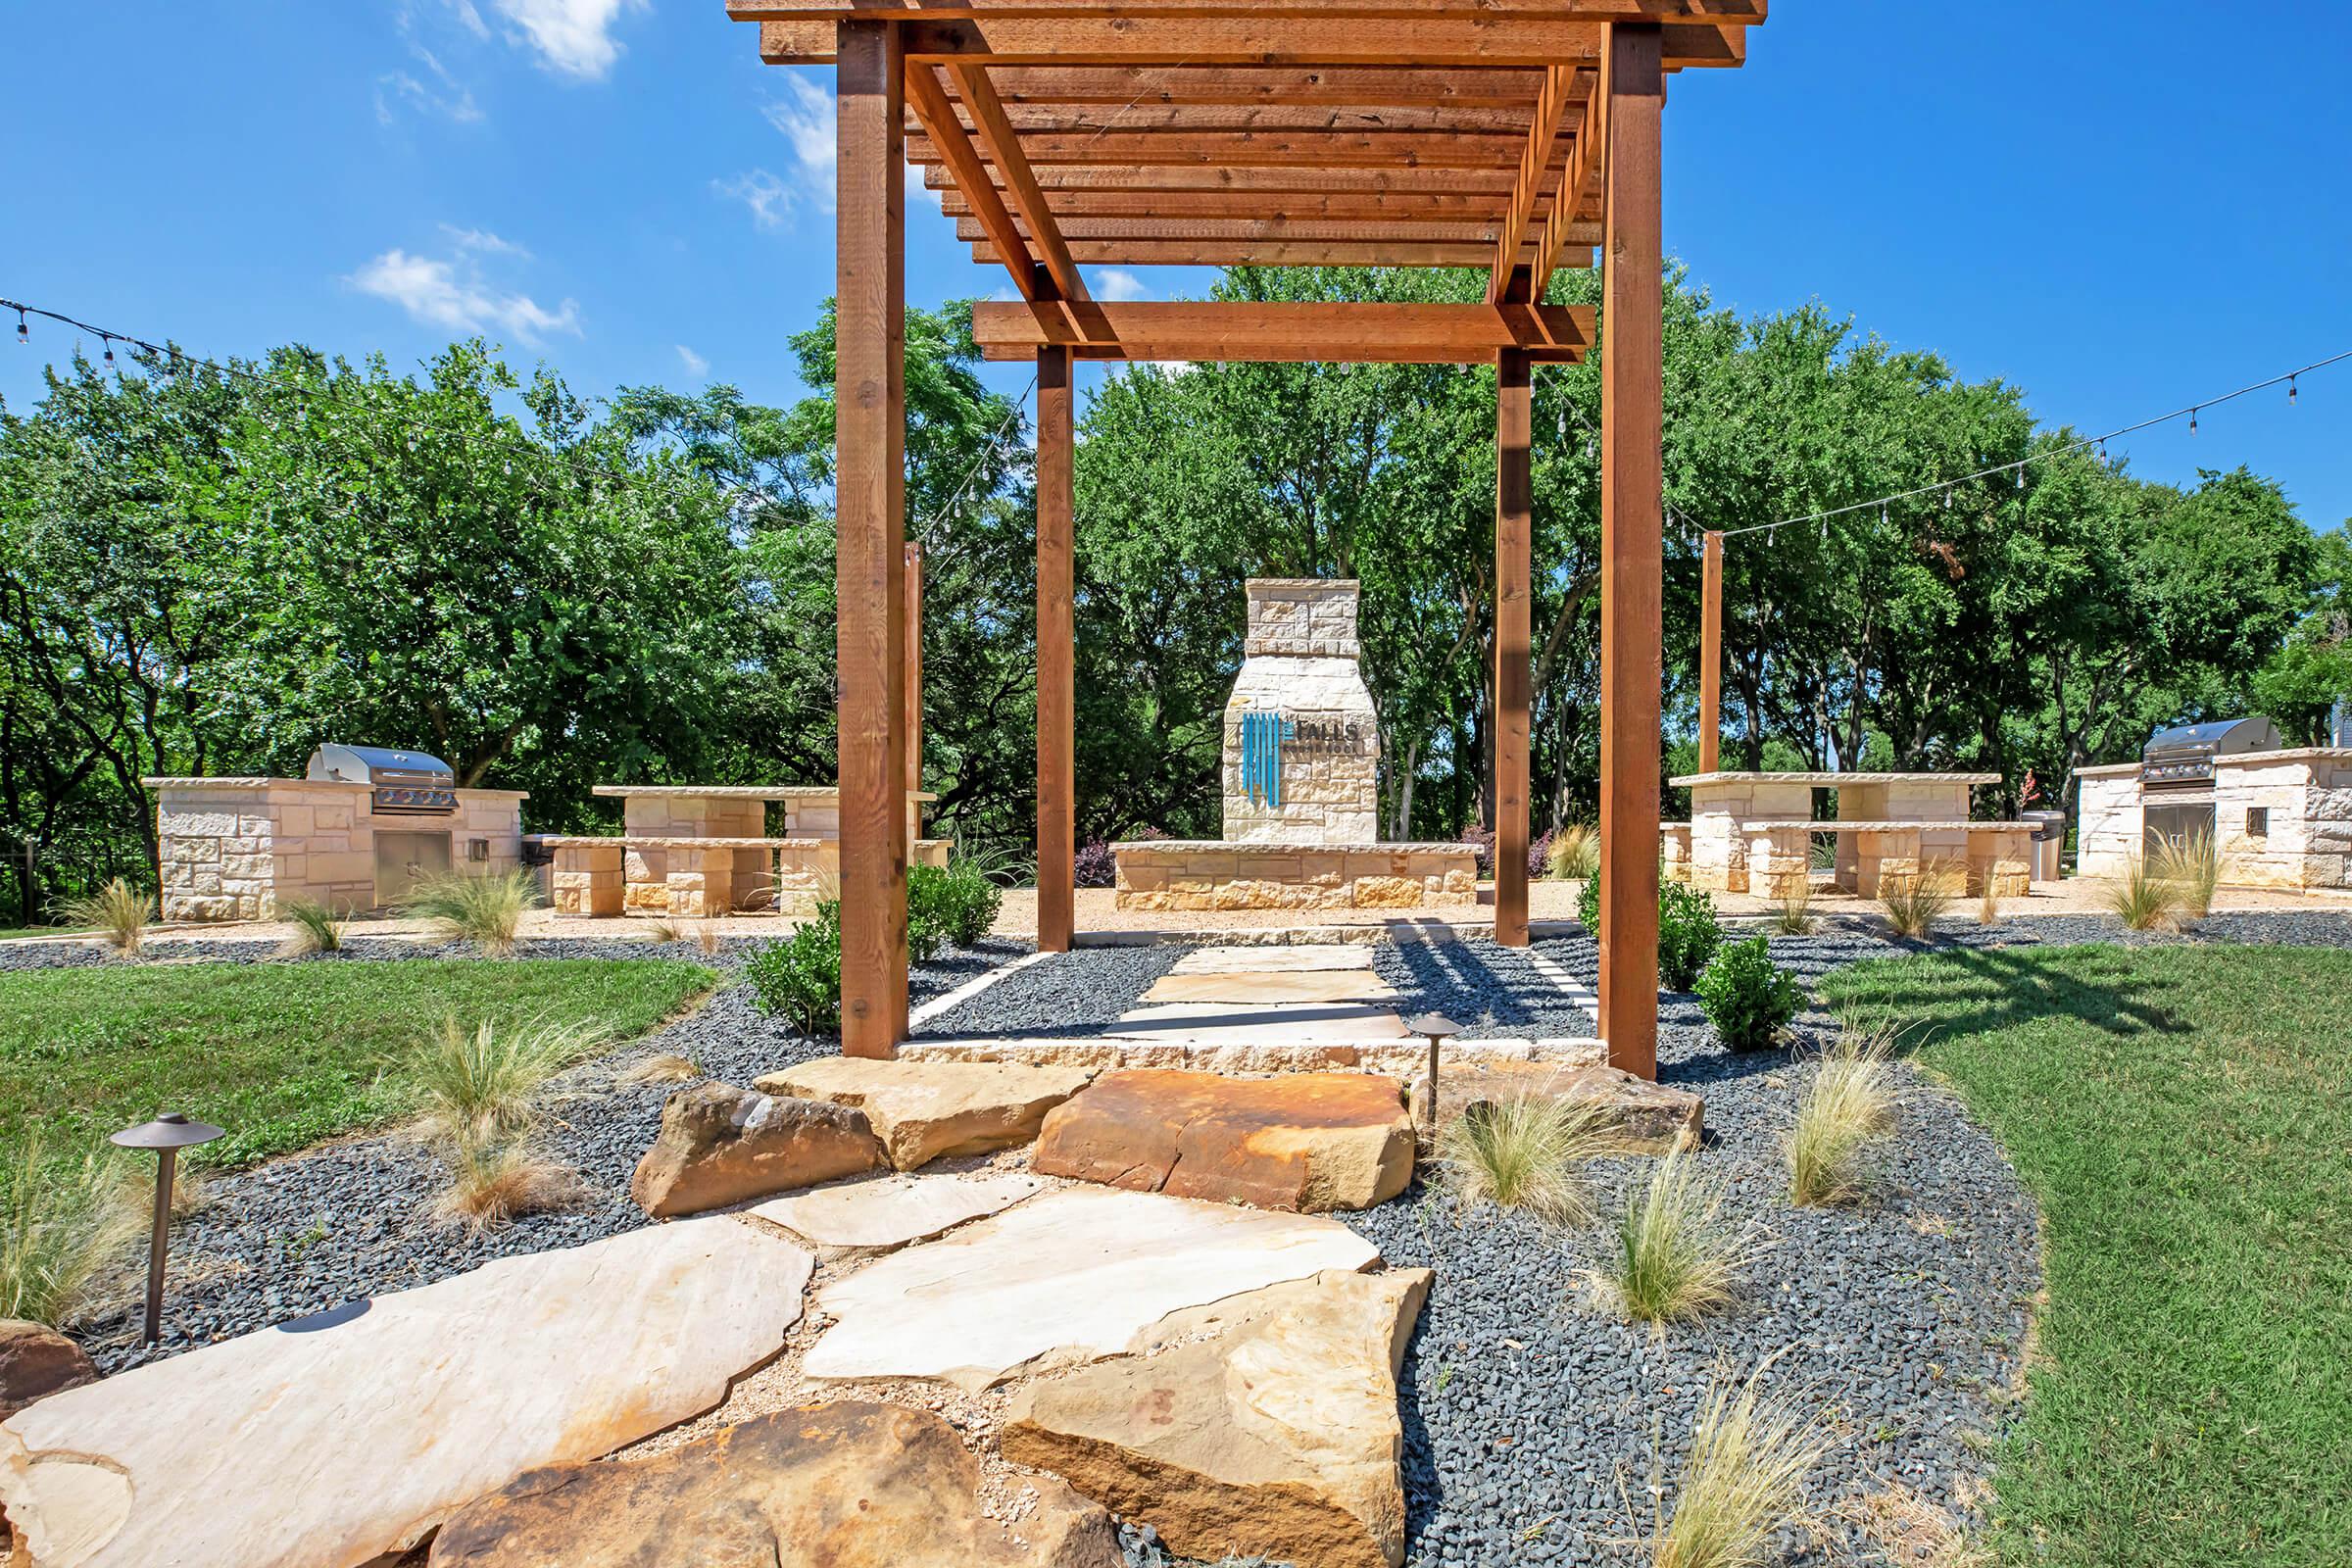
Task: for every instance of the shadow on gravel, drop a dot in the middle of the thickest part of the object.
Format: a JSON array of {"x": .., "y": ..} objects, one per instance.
[{"x": 1455, "y": 979}]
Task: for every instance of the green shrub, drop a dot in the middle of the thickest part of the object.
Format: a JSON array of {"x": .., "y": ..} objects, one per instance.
[
  {"x": 1687, "y": 935},
  {"x": 799, "y": 979},
  {"x": 1746, "y": 997},
  {"x": 958, "y": 904},
  {"x": 1687, "y": 931}
]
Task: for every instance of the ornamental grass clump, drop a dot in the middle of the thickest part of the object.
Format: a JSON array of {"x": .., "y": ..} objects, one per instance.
[
  {"x": 1526, "y": 1151},
  {"x": 1848, "y": 1109},
  {"x": 495, "y": 1181},
  {"x": 117, "y": 911},
  {"x": 63, "y": 1228},
  {"x": 485, "y": 910},
  {"x": 1794, "y": 916},
  {"x": 1574, "y": 853},
  {"x": 317, "y": 929},
  {"x": 2144, "y": 897},
  {"x": 1746, "y": 997},
  {"x": 1743, "y": 1484},
  {"x": 1914, "y": 904},
  {"x": 483, "y": 1083},
  {"x": 2192, "y": 864},
  {"x": 663, "y": 1068},
  {"x": 1678, "y": 1257}
]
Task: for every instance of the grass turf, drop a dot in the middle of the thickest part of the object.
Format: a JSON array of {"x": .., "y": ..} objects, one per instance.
[
  {"x": 280, "y": 1054},
  {"x": 2184, "y": 1114}
]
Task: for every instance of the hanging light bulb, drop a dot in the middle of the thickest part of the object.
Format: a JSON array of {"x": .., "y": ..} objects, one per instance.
[
  {"x": 110, "y": 351},
  {"x": 2193, "y": 422},
  {"x": 23, "y": 335},
  {"x": 2290, "y": 391}
]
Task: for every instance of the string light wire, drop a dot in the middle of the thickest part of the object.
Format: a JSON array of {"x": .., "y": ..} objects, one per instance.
[{"x": 2018, "y": 467}]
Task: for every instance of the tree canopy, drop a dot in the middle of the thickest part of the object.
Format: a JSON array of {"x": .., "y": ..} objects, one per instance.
[{"x": 207, "y": 572}]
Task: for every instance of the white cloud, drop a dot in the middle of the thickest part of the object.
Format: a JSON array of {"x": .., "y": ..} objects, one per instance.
[
  {"x": 483, "y": 242},
  {"x": 450, "y": 99},
  {"x": 695, "y": 364},
  {"x": 453, "y": 295},
  {"x": 768, "y": 197},
  {"x": 806, "y": 116},
  {"x": 574, "y": 38},
  {"x": 1116, "y": 283}
]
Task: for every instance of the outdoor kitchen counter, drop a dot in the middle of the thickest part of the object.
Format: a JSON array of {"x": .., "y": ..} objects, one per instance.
[{"x": 1725, "y": 807}]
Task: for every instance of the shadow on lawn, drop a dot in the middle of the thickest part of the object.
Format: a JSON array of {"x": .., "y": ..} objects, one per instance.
[{"x": 2003, "y": 988}]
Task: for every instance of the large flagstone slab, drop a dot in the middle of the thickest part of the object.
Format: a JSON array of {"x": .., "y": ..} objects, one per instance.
[
  {"x": 329, "y": 1441},
  {"x": 1307, "y": 1140},
  {"x": 887, "y": 1211},
  {"x": 1064, "y": 1279},
  {"x": 923, "y": 1110},
  {"x": 1302, "y": 959},
  {"x": 1261, "y": 987},
  {"x": 1223, "y": 1023},
  {"x": 1264, "y": 1426},
  {"x": 841, "y": 1486}
]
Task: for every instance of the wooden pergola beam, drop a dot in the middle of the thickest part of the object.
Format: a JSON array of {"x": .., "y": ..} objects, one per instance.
[
  {"x": 1266, "y": 253},
  {"x": 1535, "y": 177},
  {"x": 1437, "y": 120},
  {"x": 1408, "y": 208},
  {"x": 1565, "y": 227},
  {"x": 1159, "y": 13},
  {"x": 929, "y": 105},
  {"x": 1005, "y": 149},
  {"x": 1476, "y": 39},
  {"x": 1284, "y": 331},
  {"x": 1305, "y": 178},
  {"x": 1405, "y": 149},
  {"x": 1240, "y": 227},
  {"x": 1121, "y": 87}
]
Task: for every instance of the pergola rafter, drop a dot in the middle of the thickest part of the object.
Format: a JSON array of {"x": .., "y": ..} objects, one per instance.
[{"x": 1509, "y": 136}]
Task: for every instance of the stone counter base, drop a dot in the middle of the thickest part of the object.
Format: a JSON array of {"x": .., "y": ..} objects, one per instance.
[
  {"x": 676, "y": 876},
  {"x": 1176, "y": 874}
]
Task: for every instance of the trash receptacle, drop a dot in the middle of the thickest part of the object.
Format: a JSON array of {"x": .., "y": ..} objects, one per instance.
[{"x": 2049, "y": 841}]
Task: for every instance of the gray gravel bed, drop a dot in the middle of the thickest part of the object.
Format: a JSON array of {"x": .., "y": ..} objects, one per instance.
[
  {"x": 1082, "y": 992},
  {"x": 1532, "y": 1417},
  {"x": 354, "y": 1217}
]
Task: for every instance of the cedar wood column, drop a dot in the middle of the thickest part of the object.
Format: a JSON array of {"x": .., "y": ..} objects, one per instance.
[
  {"x": 913, "y": 598},
  {"x": 1056, "y": 826},
  {"x": 1631, "y": 608},
  {"x": 1514, "y": 526},
  {"x": 1710, "y": 654},
  {"x": 869, "y": 562}
]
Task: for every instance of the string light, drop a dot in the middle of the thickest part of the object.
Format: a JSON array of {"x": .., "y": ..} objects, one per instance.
[
  {"x": 2193, "y": 410},
  {"x": 23, "y": 335},
  {"x": 110, "y": 351}
]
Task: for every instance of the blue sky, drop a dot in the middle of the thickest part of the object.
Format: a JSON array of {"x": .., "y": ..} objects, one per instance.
[{"x": 2120, "y": 213}]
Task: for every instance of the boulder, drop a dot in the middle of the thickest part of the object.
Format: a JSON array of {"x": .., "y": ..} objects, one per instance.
[
  {"x": 1264, "y": 1426},
  {"x": 1060, "y": 1280},
  {"x": 1309, "y": 1141},
  {"x": 334, "y": 1439},
  {"x": 882, "y": 1212},
  {"x": 720, "y": 1145},
  {"x": 1651, "y": 1118},
  {"x": 35, "y": 1361},
  {"x": 924, "y": 1110},
  {"x": 840, "y": 1486}
]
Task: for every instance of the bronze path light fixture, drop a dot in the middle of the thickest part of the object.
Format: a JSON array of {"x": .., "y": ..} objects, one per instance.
[
  {"x": 1435, "y": 1026},
  {"x": 167, "y": 1135}
]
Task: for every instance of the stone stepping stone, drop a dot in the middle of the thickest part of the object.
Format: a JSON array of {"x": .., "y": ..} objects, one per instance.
[
  {"x": 892, "y": 1211},
  {"x": 1302, "y": 958},
  {"x": 1264, "y": 1426},
  {"x": 1064, "y": 1279},
  {"x": 1222, "y": 1023},
  {"x": 1308, "y": 1141},
  {"x": 1651, "y": 1118},
  {"x": 853, "y": 1485},
  {"x": 1261, "y": 987},
  {"x": 923, "y": 1110},
  {"x": 332, "y": 1440}
]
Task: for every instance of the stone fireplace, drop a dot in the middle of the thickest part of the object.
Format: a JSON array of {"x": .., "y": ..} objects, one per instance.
[{"x": 1301, "y": 781}]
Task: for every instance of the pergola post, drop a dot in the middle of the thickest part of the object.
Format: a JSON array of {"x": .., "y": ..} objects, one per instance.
[
  {"x": 1710, "y": 653},
  {"x": 913, "y": 596},
  {"x": 1632, "y": 593},
  {"x": 1514, "y": 526},
  {"x": 1056, "y": 738},
  {"x": 869, "y": 564}
]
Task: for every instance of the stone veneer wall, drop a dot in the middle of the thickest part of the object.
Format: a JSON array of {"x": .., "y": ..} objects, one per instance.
[
  {"x": 233, "y": 848},
  {"x": 1176, "y": 874},
  {"x": 1300, "y": 661},
  {"x": 2307, "y": 793}
]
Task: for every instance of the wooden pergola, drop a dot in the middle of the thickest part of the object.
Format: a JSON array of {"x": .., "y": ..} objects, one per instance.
[{"x": 1509, "y": 135}]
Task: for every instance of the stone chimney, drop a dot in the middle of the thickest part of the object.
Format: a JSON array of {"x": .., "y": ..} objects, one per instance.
[{"x": 1301, "y": 740}]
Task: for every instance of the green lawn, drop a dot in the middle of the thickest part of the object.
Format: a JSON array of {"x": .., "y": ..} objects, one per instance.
[
  {"x": 2184, "y": 1116},
  {"x": 280, "y": 1054}
]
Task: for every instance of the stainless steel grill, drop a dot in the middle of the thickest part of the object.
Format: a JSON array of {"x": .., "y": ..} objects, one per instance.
[
  {"x": 2181, "y": 759},
  {"x": 402, "y": 783}
]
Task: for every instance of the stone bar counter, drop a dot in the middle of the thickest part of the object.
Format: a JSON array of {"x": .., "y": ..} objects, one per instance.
[{"x": 703, "y": 850}]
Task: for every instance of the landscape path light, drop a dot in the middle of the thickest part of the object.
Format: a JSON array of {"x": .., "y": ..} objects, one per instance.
[
  {"x": 167, "y": 1135},
  {"x": 1435, "y": 1026}
]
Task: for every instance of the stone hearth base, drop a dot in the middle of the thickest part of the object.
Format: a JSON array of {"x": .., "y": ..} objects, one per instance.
[{"x": 1186, "y": 874}]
